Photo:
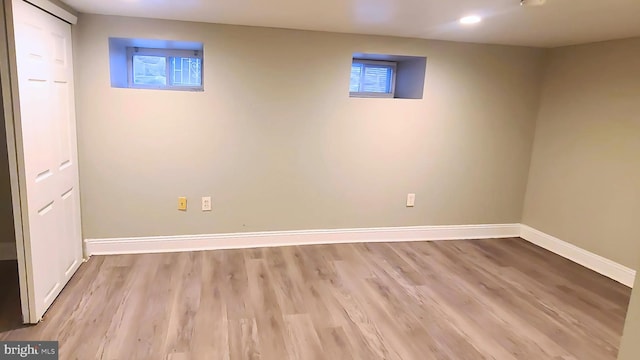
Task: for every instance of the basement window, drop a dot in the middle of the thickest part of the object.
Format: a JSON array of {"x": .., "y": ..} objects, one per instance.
[
  {"x": 370, "y": 78},
  {"x": 387, "y": 76},
  {"x": 156, "y": 64},
  {"x": 164, "y": 69}
]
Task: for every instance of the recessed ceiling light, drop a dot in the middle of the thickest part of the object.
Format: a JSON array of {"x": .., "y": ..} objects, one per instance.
[{"x": 471, "y": 19}]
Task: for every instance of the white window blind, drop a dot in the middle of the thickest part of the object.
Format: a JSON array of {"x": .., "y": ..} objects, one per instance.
[{"x": 372, "y": 78}]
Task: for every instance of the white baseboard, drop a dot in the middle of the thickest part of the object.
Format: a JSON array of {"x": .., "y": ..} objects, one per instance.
[
  {"x": 8, "y": 251},
  {"x": 158, "y": 244},
  {"x": 597, "y": 263}
]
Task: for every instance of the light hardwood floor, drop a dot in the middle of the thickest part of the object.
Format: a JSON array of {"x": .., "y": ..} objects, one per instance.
[{"x": 483, "y": 299}]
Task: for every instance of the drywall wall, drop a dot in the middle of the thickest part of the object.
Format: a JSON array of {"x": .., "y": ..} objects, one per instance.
[
  {"x": 630, "y": 346},
  {"x": 585, "y": 169},
  {"x": 279, "y": 145}
]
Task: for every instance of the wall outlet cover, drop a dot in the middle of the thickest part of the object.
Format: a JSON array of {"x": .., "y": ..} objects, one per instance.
[
  {"x": 206, "y": 203},
  {"x": 182, "y": 203}
]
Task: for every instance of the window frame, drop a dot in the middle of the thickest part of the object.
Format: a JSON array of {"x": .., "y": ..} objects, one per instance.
[
  {"x": 364, "y": 94},
  {"x": 167, "y": 54}
]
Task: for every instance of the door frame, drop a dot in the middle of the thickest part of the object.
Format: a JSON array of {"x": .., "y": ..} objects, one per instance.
[
  {"x": 8, "y": 76},
  {"x": 11, "y": 110}
]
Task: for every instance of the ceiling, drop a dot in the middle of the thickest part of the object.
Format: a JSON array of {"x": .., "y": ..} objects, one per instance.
[{"x": 558, "y": 23}]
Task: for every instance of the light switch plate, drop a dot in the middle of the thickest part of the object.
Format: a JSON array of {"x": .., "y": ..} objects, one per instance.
[{"x": 411, "y": 200}]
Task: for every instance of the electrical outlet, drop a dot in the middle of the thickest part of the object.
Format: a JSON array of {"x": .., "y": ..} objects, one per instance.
[
  {"x": 411, "y": 200},
  {"x": 182, "y": 203},
  {"x": 206, "y": 203}
]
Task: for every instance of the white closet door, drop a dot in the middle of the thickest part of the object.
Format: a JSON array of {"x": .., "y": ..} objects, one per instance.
[{"x": 53, "y": 240}]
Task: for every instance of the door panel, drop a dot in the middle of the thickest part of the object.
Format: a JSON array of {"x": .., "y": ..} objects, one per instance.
[
  {"x": 70, "y": 256},
  {"x": 53, "y": 244}
]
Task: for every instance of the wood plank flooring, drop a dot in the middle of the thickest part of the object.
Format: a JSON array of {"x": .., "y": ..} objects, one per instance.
[{"x": 483, "y": 299}]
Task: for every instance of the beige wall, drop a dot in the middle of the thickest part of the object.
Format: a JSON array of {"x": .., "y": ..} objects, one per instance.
[
  {"x": 584, "y": 184},
  {"x": 278, "y": 143}
]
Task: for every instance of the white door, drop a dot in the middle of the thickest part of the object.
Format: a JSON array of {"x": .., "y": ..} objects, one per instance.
[{"x": 47, "y": 154}]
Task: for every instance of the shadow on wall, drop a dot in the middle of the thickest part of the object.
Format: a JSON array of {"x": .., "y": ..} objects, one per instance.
[
  {"x": 10, "y": 311},
  {"x": 7, "y": 234}
]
